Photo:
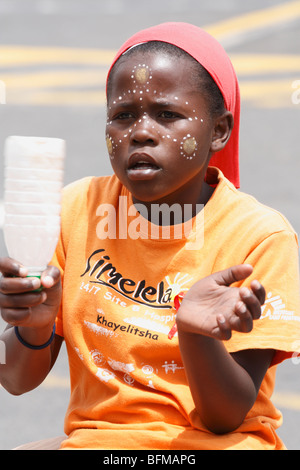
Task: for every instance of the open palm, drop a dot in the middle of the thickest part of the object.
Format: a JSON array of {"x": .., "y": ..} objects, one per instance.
[{"x": 212, "y": 307}]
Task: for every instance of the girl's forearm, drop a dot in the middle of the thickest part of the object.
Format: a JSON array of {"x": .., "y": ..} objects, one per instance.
[
  {"x": 24, "y": 368},
  {"x": 222, "y": 390}
]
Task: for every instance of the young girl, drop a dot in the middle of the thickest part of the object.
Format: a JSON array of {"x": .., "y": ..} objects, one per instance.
[{"x": 122, "y": 272}]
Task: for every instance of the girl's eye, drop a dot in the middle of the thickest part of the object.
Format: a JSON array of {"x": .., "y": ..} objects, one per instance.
[
  {"x": 124, "y": 115},
  {"x": 168, "y": 115}
]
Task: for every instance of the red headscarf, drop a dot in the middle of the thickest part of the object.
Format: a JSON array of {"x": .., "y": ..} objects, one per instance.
[{"x": 211, "y": 55}]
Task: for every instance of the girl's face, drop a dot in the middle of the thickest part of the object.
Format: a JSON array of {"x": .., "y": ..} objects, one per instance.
[{"x": 159, "y": 131}]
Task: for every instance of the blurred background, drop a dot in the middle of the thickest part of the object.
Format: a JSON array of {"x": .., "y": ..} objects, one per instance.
[{"x": 54, "y": 56}]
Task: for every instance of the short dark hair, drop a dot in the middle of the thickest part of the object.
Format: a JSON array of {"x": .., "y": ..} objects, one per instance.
[{"x": 206, "y": 83}]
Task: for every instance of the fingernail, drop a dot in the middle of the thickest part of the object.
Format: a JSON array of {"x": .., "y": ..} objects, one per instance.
[
  {"x": 245, "y": 291},
  {"x": 221, "y": 319},
  {"x": 23, "y": 271},
  {"x": 256, "y": 284},
  {"x": 35, "y": 283},
  {"x": 48, "y": 281}
]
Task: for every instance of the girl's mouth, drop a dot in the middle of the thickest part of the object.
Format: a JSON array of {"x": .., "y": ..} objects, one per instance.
[{"x": 142, "y": 167}]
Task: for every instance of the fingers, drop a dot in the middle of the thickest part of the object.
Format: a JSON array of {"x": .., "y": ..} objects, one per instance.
[
  {"x": 247, "y": 309},
  {"x": 13, "y": 278},
  {"x": 19, "y": 295},
  {"x": 224, "y": 330},
  {"x": 259, "y": 291},
  {"x": 10, "y": 285},
  {"x": 17, "y": 311},
  {"x": 233, "y": 274},
  {"x": 50, "y": 277},
  {"x": 9, "y": 267},
  {"x": 253, "y": 298},
  {"x": 241, "y": 321}
]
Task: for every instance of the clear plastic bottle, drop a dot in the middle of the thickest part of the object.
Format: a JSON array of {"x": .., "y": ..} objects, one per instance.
[{"x": 34, "y": 170}]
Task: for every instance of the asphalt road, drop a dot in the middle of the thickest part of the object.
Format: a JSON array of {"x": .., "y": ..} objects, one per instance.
[{"x": 54, "y": 55}]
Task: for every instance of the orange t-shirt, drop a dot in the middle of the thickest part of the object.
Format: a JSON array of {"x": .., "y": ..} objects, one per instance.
[{"x": 128, "y": 386}]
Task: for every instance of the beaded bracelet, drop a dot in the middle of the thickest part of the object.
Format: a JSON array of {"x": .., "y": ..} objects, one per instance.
[{"x": 30, "y": 346}]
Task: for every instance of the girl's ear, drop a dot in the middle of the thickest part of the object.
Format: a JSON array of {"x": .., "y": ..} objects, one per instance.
[{"x": 223, "y": 126}]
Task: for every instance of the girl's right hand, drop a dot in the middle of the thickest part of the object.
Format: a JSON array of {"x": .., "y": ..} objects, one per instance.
[{"x": 20, "y": 303}]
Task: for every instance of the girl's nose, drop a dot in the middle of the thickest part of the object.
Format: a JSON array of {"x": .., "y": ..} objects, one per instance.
[{"x": 144, "y": 131}]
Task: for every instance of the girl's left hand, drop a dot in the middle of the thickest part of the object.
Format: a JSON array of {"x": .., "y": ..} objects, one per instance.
[{"x": 213, "y": 308}]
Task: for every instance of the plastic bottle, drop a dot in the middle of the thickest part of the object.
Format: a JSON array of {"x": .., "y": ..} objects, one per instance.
[{"x": 34, "y": 170}]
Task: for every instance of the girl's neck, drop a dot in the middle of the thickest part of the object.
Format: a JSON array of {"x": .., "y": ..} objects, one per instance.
[{"x": 175, "y": 212}]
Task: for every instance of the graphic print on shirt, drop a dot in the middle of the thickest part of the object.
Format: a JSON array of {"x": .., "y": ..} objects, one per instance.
[
  {"x": 102, "y": 272},
  {"x": 148, "y": 310},
  {"x": 107, "y": 369},
  {"x": 126, "y": 306},
  {"x": 275, "y": 309}
]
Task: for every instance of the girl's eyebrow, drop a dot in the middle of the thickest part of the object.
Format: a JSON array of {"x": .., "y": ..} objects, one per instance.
[
  {"x": 157, "y": 101},
  {"x": 162, "y": 102}
]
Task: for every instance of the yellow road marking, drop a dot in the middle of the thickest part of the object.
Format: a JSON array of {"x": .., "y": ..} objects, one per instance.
[
  {"x": 27, "y": 55},
  {"x": 258, "y": 64},
  {"x": 56, "y": 98},
  {"x": 54, "y": 381},
  {"x": 45, "y": 86},
  {"x": 244, "y": 64},
  {"x": 11, "y": 56},
  {"x": 55, "y": 78},
  {"x": 267, "y": 94},
  {"x": 254, "y": 20},
  {"x": 286, "y": 400}
]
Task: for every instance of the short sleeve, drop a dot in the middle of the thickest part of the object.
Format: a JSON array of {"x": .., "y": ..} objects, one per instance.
[{"x": 276, "y": 265}]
